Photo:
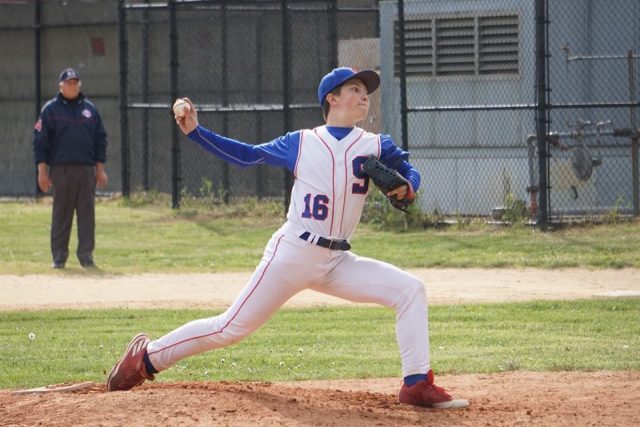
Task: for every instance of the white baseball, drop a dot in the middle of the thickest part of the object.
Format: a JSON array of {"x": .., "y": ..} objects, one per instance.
[
  {"x": 181, "y": 108},
  {"x": 32, "y": 336}
]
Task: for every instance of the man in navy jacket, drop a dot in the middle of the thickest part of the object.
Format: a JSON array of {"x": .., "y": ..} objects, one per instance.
[{"x": 69, "y": 146}]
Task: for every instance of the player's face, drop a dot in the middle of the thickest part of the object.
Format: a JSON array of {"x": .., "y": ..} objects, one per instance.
[
  {"x": 70, "y": 89},
  {"x": 354, "y": 100}
]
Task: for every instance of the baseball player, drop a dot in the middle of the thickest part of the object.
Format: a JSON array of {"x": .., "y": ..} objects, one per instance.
[{"x": 311, "y": 250}]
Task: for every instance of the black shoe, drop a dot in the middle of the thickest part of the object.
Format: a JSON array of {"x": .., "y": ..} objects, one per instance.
[
  {"x": 88, "y": 264},
  {"x": 57, "y": 265}
]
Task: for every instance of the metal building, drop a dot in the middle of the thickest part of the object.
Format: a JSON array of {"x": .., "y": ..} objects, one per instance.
[{"x": 478, "y": 59}]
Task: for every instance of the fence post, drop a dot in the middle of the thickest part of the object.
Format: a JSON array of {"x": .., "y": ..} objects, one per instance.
[
  {"x": 38, "y": 73},
  {"x": 285, "y": 92},
  {"x": 145, "y": 97},
  {"x": 404, "y": 125},
  {"x": 175, "y": 136},
  {"x": 226, "y": 183},
  {"x": 541, "y": 113},
  {"x": 634, "y": 128},
  {"x": 333, "y": 32},
  {"x": 124, "y": 112},
  {"x": 260, "y": 175}
]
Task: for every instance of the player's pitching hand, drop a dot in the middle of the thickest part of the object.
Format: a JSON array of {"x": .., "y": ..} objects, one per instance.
[{"x": 186, "y": 116}]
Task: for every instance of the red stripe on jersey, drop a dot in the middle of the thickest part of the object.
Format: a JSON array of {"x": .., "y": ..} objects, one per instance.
[
  {"x": 333, "y": 180},
  {"x": 275, "y": 251},
  {"x": 346, "y": 179}
]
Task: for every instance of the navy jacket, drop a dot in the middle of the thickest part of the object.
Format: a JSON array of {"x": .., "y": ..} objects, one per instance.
[{"x": 69, "y": 132}]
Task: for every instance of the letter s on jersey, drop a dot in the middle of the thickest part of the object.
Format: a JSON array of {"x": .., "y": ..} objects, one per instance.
[{"x": 363, "y": 187}]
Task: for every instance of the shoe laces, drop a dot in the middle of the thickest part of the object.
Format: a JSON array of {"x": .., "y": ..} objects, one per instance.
[{"x": 440, "y": 390}]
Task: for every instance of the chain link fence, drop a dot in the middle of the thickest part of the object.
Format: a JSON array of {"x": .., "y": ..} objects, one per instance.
[
  {"x": 252, "y": 70},
  {"x": 508, "y": 107},
  {"x": 593, "y": 76},
  {"x": 470, "y": 73},
  {"x": 38, "y": 39}
]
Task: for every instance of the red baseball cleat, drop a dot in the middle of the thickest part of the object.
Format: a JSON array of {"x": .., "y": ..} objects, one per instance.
[
  {"x": 130, "y": 370},
  {"x": 426, "y": 393}
]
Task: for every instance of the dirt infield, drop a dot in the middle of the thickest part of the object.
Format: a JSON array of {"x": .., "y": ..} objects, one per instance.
[
  {"x": 505, "y": 399},
  {"x": 76, "y": 289}
]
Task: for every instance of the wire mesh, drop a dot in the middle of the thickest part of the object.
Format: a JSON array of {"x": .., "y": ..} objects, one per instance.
[
  {"x": 37, "y": 41},
  {"x": 593, "y": 62},
  {"x": 252, "y": 69},
  {"x": 232, "y": 65},
  {"x": 470, "y": 77}
]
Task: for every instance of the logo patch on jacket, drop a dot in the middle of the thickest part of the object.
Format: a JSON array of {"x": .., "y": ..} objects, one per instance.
[
  {"x": 86, "y": 113},
  {"x": 38, "y": 125}
]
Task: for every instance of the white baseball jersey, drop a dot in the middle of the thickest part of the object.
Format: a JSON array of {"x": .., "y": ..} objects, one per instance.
[
  {"x": 330, "y": 190},
  {"x": 326, "y": 203}
]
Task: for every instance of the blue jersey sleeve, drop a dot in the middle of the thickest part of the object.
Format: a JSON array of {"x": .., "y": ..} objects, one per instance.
[
  {"x": 281, "y": 152},
  {"x": 394, "y": 157}
]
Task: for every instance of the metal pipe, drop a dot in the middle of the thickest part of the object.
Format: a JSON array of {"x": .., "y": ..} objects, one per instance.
[
  {"x": 404, "y": 124},
  {"x": 61, "y": 25},
  {"x": 145, "y": 98},
  {"x": 260, "y": 5},
  {"x": 260, "y": 173},
  {"x": 541, "y": 113},
  {"x": 332, "y": 17},
  {"x": 38, "y": 73},
  {"x": 226, "y": 182},
  {"x": 176, "y": 178},
  {"x": 603, "y": 210},
  {"x": 569, "y": 58},
  {"x": 553, "y": 137},
  {"x": 124, "y": 119},
  {"x": 514, "y": 107},
  {"x": 232, "y": 108},
  {"x": 37, "y": 26},
  {"x": 634, "y": 138},
  {"x": 284, "y": 22},
  {"x": 598, "y": 57}
]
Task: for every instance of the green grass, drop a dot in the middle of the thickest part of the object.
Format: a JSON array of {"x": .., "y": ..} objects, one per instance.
[
  {"x": 323, "y": 343},
  {"x": 135, "y": 237},
  {"x": 330, "y": 343}
]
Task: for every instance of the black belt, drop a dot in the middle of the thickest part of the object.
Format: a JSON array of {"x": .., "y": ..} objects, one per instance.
[{"x": 334, "y": 245}]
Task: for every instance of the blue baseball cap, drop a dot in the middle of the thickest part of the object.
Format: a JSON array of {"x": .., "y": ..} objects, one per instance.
[
  {"x": 340, "y": 75},
  {"x": 69, "y": 74}
]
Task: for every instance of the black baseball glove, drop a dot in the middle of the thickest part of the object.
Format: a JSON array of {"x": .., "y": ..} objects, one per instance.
[{"x": 387, "y": 179}]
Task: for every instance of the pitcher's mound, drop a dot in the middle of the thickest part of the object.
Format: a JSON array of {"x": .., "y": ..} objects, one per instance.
[{"x": 512, "y": 398}]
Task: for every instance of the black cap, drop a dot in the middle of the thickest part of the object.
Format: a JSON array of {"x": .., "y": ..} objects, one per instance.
[{"x": 69, "y": 74}]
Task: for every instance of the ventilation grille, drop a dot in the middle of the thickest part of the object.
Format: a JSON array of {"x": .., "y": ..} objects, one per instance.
[
  {"x": 460, "y": 46},
  {"x": 498, "y": 45},
  {"x": 418, "y": 39}
]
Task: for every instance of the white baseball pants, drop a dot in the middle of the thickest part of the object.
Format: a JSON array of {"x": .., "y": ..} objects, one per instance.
[{"x": 290, "y": 265}]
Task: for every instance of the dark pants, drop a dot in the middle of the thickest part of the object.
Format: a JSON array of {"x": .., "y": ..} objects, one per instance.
[{"x": 74, "y": 187}]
